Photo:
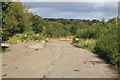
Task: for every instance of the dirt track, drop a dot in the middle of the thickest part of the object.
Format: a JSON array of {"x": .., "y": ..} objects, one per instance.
[{"x": 58, "y": 60}]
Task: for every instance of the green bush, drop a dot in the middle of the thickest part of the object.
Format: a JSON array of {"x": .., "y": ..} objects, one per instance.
[
  {"x": 88, "y": 33},
  {"x": 107, "y": 45},
  {"x": 107, "y": 40}
]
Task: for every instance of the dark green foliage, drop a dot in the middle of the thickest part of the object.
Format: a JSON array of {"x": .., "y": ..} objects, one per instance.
[
  {"x": 73, "y": 30},
  {"x": 70, "y": 25},
  {"x": 88, "y": 33},
  {"x": 37, "y": 23},
  {"x": 55, "y": 29},
  {"x": 107, "y": 36},
  {"x": 107, "y": 44},
  {"x": 15, "y": 19},
  {"x": 92, "y": 32},
  {"x": 5, "y": 9}
]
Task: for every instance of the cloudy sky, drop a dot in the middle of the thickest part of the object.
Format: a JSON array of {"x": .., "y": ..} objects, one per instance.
[{"x": 75, "y": 10}]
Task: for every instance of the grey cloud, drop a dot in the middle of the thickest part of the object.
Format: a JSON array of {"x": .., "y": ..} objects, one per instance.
[
  {"x": 75, "y": 9},
  {"x": 75, "y": 6}
]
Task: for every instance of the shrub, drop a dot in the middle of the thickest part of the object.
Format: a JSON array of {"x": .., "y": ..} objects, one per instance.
[
  {"x": 88, "y": 33},
  {"x": 107, "y": 45}
]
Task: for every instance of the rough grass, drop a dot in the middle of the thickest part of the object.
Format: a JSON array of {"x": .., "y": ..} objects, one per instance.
[
  {"x": 29, "y": 37},
  {"x": 88, "y": 44}
]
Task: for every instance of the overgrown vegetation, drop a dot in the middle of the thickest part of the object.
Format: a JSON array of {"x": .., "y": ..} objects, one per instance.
[
  {"x": 15, "y": 19},
  {"x": 86, "y": 44},
  {"x": 19, "y": 25},
  {"x": 107, "y": 44},
  {"x": 27, "y": 37},
  {"x": 106, "y": 40}
]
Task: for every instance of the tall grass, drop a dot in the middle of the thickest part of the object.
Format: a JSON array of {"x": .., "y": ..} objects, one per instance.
[{"x": 86, "y": 43}]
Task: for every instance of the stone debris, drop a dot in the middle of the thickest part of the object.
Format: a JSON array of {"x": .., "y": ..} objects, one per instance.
[
  {"x": 4, "y": 75},
  {"x": 5, "y": 44},
  {"x": 76, "y": 70},
  {"x": 26, "y": 52},
  {"x": 16, "y": 68},
  {"x": 84, "y": 62},
  {"x": 4, "y": 64}
]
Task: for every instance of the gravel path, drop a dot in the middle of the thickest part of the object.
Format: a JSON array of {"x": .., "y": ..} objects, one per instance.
[{"x": 56, "y": 60}]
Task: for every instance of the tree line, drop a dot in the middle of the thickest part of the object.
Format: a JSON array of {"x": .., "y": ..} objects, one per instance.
[{"x": 17, "y": 19}]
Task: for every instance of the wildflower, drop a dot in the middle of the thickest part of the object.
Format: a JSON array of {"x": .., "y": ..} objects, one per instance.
[
  {"x": 43, "y": 41},
  {"x": 18, "y": 41},
  {"x": 37, "y": 35},
  {"x": 25, "y": 35}
]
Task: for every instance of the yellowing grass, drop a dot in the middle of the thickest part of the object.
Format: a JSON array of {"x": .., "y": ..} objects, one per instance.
[{"x": 86, "y": 43}]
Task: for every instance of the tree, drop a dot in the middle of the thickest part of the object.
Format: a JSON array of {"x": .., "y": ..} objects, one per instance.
[
  {"x": 16, "y": 19},
  {"x": 5, "y": 9},
  {"x": 37, "y": 23}
]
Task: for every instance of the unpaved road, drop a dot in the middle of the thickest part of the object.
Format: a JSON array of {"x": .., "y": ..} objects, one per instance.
[{"x": 57, "y": 60}]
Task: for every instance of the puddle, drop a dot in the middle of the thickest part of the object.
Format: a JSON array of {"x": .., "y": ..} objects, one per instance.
[{"x": 36, "y": 47}]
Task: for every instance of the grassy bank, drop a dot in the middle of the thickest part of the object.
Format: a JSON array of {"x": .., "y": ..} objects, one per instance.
[{"x": 88, "y": 44}]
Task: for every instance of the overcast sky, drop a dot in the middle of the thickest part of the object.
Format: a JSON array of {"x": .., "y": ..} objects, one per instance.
[{"x": 75, "y": 10}]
